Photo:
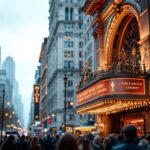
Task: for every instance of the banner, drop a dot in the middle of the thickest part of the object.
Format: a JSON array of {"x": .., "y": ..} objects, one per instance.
[{"x": 135, "y": 86}]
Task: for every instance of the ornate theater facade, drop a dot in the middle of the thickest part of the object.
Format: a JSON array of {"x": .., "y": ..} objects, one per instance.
[{"x": 118, "y": 92}]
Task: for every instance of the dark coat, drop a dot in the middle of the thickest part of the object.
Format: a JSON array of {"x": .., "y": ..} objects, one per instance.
[
  {"x": 127, "y": 145},
  {"x": 97, "y": 146},
  {"x": 9, "y": 146},
  {"x": 22, "y": 145}
]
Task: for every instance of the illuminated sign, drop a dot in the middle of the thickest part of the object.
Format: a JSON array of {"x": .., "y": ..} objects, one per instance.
[
  {"x": 113, "y": 86},
  {"x": 36, "y": 93},
  {"x": 36, "y": 101}
]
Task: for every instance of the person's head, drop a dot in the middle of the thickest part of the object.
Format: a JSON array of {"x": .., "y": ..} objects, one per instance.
[
  {"x": 86, "y": 145},
  {"x": 11, "y": 138},
  {"x": 97, "y": 139},
  {"x": 148, "y": 138},
  {"x": 23, "y": 137},
  {"x": 90, "y": 136},
  {"x": 130, "y": 132},
  {"x": 5, "y": 137},
  {"x": 67, "y": 142},
  {"x": 57, "y": 136},
  {"x": 120, "y": 138},
  {"x": 34, "y": 141},
  {"x": 143, "y": 143},
  {"x": 109, "y": 142}
]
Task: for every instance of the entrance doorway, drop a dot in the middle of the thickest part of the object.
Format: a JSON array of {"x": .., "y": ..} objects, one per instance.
[{"x": 137, "y": 122}]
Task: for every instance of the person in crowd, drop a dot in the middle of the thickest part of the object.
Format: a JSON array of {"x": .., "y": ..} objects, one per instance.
[
  {"x": 109, "y": 142},
  {"x": 119, "y": 139},
  {"x": 86, "y": 144},
  {"x": 54, "y": 142},
  {"x": 90, "y": 137},
  {"x": 67, "y": 142},
  {"x": 5, "y": 139},
  {"x": 35, "y": 144},
  {"x": 9, "y": 144},
  {"x": 130, "y": 137},
  {"x": 97, "y": 143},
  {"x": 47, "y": 142},
  {"x": 143, "y": 143},
  {"x": 22, "y": 144}
]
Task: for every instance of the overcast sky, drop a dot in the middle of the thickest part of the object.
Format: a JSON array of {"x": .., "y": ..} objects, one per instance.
[{"x": 23, "y": 25}]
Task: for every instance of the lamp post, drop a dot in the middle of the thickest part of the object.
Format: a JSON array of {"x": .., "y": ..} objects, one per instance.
[
  {"x": 65, "y": 92},
  {"x": 2, "y": 115}
]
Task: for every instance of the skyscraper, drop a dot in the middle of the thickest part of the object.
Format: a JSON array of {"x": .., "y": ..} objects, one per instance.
[{"x": 9, "y": 66}]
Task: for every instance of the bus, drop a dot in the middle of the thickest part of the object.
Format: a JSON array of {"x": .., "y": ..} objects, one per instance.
[{"x": 37, "y": 130}]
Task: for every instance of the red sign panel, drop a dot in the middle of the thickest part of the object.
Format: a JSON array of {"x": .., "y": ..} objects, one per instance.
[{"x": 111, "y": 87}]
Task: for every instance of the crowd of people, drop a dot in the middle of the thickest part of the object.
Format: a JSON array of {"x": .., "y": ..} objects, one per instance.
[{"x": 126, "y": 140}]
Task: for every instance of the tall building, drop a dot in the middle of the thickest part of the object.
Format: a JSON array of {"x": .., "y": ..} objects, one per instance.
[
  {"x": 63, "y": 56},
  {"x": 16, "y": 101},
  {"x": 5, "y": 85},
  {"x": 9, "y": 66},
  {"x": 118, "y": 93},
  {"x": 43, "y": 59}
]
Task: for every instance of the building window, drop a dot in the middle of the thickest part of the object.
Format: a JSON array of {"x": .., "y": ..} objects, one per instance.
[
  {"x": 71, "y": 14},
  {"x": 80, "y": 15},
  {"x": 69, "y": 26},
  {"x": 70, "y": 83},
  {"x": 69, "y": 93},
  {"x": 80, "y": 26},
  {"x": 81, "y": 35},
  {"x": 66, "y": 14},
  {"x": 69, "y": 64},
  {"x": 68, "y": 44},
  {"x": 81, "y": 54},
  {"x": 80, "y": 64},
  {"x": 80, "y": 44},
  {"x": 68, "y": 34},
  {"x": 69, "y": 117},
  {"x": 68, "y": 54},
  {"x": 69, "y": 74}
]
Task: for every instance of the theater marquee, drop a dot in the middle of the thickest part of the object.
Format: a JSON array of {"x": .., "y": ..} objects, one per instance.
[{"x": 113, "y": 86}]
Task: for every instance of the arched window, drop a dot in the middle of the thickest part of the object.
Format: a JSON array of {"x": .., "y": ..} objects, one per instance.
[
  {"x": 71, "y": 14},
  {"x": 80, "y": 14},
  {"x": 66, "y": 14}
]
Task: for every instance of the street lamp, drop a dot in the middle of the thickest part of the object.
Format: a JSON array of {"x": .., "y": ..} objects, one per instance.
[
  {"x": 2, "y": 115},
  {"x": 65, "y": 92}
]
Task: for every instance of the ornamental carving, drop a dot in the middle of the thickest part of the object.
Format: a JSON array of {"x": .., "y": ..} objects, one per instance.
[
  {"x": 86, "y": 74},
  {"x": 129, "y": 59}
]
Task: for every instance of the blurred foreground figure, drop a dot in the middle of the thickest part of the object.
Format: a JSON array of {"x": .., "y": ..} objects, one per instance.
[
  {"x": 9, "y": 144},
  {"x": 35, "y": 144},
  {"x": 67, "y": 142},
  {"x": 130, "y": 140}
]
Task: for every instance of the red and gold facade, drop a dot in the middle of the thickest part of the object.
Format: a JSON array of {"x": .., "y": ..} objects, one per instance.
[{"x": 118, "y": 92}]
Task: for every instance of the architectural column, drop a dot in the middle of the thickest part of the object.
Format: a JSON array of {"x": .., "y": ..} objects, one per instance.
[{"x": 103, "y": 123}]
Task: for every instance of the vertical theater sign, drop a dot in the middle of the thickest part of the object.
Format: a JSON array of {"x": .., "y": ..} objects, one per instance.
[
  {"x": 36, "y": 101},
  {"x": 118, "y": 92}
]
